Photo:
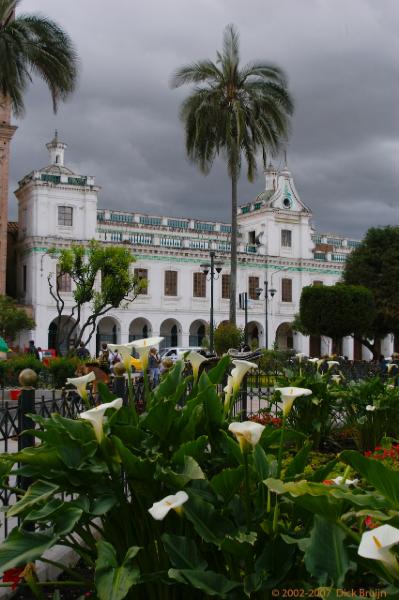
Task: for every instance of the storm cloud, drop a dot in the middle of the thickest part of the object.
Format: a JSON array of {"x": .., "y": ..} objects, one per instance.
[{"x": 122, "y": 124}]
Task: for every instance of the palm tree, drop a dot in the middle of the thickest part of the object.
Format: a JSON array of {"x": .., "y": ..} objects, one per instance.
[
  {"x": 237, "y": 111},
  {"x": 29, "y": 45}
]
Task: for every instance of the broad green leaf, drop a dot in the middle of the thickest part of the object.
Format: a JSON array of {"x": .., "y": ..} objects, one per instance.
[
  {"x": 113, "y": 581},
  {"x": 217, "y": 373},
  {"x": 272, "y": 438},
  {"x": 209, "y": 582},
  {"x": 231, "y": 448},
  {"x": 228, "y": 482},
  {"x": 274, "y": 563},
  {"x": 180, "y": 478},
  {"x": 160, "y": 418},
  {"x": 326, "y": 557},
  {"x": 66, "y": 518},
  {"x": 44, "y": 513},
  {"x": 384, "y": 479},
  {"x": 322, "y": 472},
  {"x": 38, "y": 493},
  {"x": 210, "y": 525},
  {"x": 213, "y": 409},
  {"x": 194, "y": 448},
  {"x": 103, "y": 504},
  {"x": 22, "y": 547},
  {"x": 134, "y": 466},
  {"x": 261, "y": 462},
  {"x": 298, "y": 463},
  {"x": 104, "y": 392},
  {"x": 183, "y": 552}
]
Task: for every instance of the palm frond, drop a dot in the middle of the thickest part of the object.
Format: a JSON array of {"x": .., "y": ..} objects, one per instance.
[{"x": 204, "y": 70}]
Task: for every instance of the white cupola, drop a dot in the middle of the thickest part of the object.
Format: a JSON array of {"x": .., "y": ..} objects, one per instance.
[
  {"x": 270, "y": 178},
  {"x": 56, "y": 150}
]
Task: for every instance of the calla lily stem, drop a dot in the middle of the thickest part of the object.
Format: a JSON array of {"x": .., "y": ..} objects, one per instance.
[{"x": 247, "y": 496}]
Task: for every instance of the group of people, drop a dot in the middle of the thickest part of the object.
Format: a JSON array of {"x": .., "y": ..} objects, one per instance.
[{"x": 108, "y": 359}]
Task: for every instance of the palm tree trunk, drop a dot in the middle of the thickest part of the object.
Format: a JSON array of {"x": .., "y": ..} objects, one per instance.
[{"x": 233, "y": 256}]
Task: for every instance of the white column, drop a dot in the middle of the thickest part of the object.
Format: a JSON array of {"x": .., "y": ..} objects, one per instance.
[
  {"x": 325, "y": 345},
  {"x": 301, "y": 343},
  {"x": 347, "y": 347},
  {"x": 387, "y": 345}
]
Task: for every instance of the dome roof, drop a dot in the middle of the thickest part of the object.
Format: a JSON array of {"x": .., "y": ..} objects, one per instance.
[{"x": 57, "y": 169}]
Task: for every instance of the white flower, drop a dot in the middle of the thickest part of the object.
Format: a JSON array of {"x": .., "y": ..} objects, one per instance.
[
  {"x": 320, "y": 362},
  {"x": 391, "y": 366},
  {"x": 300, "y": 356},
  {"x": 370, "y": 407},
  {"x": 288, "y": 395},
  {"x": 81, "y": 382},
  {"x": 96, "y": 416},
  {"x": 332, "y": 363},
  {"x": 125, "y": 350},
  {"x": 247, "y": 433},
  {"x": 336, "y": 378},
  {"x": 376, "y": 544},
  {"x": 143, "y": 348},
  {"x": 238, "y": 373},
  {"x": 313, "y": 360},
  {"x": 228, "y": 391},
  {"x": 196, "y": 359},
  {"x": 160, "y": 509},
  {"x": 340, "y": 481}
]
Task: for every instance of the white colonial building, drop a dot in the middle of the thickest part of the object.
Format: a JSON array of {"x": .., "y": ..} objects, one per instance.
[{"x": 277, "y": 245}]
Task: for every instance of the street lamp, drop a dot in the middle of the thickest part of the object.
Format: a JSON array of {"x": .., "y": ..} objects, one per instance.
[
  {"x": 210, "y": 268},
  {"x": 268, "y": 291}
]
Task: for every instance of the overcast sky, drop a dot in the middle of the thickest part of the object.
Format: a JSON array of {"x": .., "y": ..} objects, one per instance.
[{"x": 122, "y": 125}]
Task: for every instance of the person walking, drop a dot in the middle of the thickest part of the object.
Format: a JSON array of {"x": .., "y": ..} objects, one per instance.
[
  {"x": 82, "y": 352},
  {"x": 154, "y": 363}
]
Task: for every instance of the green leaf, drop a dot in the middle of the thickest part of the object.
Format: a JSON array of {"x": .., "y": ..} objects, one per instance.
[
  {"x": 298, "y": 463},
  {"x": 66, "y": 518},
  {"x": 217, "y": 373},
  {"x": 22, "y": 547},
  {"x": 113, "y": 581},
  {"x": 322, "y": 472},
  {"x": 104, "y": 392},
  {"x": 183, "y": 552},
  {"x": 213, "y": 409},
  {"x": 210, "y": 525},
  {"x": 134, "y": 466},
  {"x": 384, "y": 479},
  {"x": 261, "y": 462},
  {"x": 326, "y": 557},
  {"x": 228, "y": 482},
  {"x": 209, "y": 582},
  {"x": 194, "y": 448},
  {"x": 160, "y": 418},
  {"x": 274, "y": 563},
  {"x": 38, "y": 493}
]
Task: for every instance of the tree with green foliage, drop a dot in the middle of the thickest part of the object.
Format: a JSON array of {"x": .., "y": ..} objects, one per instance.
[
  {"x": 375, "y": 265},
  {"x": 237, "y": 111},
  {"x": 13, "y": 319},
  {"x": 87, "y": 266},
  {"x": 336, "y": 311},
  {"x": 34, "y": 45},
  {"x": 227, "y": 336}
]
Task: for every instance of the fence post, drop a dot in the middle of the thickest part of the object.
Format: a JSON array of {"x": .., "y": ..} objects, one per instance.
[
  {"x": 26, "y": 404},
  {"x": 119, "y": 382}
]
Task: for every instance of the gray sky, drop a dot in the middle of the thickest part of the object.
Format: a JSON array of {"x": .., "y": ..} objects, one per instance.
[{"x": 122, "y": 126}]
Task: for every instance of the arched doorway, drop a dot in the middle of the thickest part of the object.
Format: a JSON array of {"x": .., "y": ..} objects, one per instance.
[
  {"x": 253, "y": 334},
  {"x": 170, "y": 330},
  {"x": 315, "y": 346},
  {"x": 66, "y": 325},
  {"x": 139, "y": 329},
  {"x": 107, "y": 331},
  {"x": 285, "y": 337},
  {"x": 197, "y": 333}
]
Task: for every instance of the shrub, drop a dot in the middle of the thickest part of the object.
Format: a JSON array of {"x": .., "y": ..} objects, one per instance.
[
  {"x": 10, "y": 369},
  {"x": 61, "y": 368},
  {"x": 227, "y": 336}
]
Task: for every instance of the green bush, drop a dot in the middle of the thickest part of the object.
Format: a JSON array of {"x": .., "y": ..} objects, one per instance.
[
  {"x": 61, "y": 368},
  {"x": 227, "y": 336},
  {"x": 11, "y": 368}
]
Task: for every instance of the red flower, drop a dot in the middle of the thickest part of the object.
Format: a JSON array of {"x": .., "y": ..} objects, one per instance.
[
  {"x": 13, "y": 576},
  {"x": 370, "y": 523},
  {"x": 328, "y": 482},
  {"x": 367, "y": 453}
]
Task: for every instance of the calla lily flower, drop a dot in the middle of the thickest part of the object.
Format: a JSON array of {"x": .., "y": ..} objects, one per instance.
[
  {"x": 248, "y": 433},
  {"x": 391, "y": 366},
  {"x": 96, "y": 416},
  {"x": 228, "y": 391},
  {"x": 320, "y": 362},
  {"x": 341, "y": 481},
  {"x": 241, "y": 368},
  {"x": 300, "y": 356},
  {"x": 332, "y": 363},
  {"x": 81, "y": 382},
  {"x": 288, "y": 395},
  {"x": 125, "y": 350},
  {"x": 160, "y": 509},
  {"x": 370, "y": 407},
  {"x": 196, "y": 359},
  {"x": 336, "y": 378},
  {"x": 313, "y": 360},
  {"x": 143, "y": 348},
  {"x": 376, "y": 544}
]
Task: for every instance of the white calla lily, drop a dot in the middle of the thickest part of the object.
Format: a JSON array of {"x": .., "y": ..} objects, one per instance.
[
  {"x": 248, "y": 433},
  {"x": 160, "y": 509},
  {"x": 320, "y": 362},
  {"x": 143, "y": 348},
  {"x": 336, "y": 378},
  {"x": 313, "y": 360},
  {"x": 332, "y": 363},
  {"x": 370, "y": 407},
  {"x": 289, "y": 394},
  {"x": 228, "y": 392},
  {"x": 300, "y": 356},
  {"x": 376, "y": 544},
  {"x": 81, "y": 382},
  {"x": 391, "y": 366},
  {"x": 95, "y": 416},
  {"x": 341, "y": 481},
  {"x": 241, "y": 368},
  {"x": 196, "y": 359},
  {"x": 125, "y": 350}
]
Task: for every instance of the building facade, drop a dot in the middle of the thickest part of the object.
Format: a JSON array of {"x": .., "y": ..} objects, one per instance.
[{"x": 278, "y": 251}]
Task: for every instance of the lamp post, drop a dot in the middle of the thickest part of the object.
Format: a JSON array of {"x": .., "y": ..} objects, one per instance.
[
  {"x": 268, "y": 291},
  {"x": 210, "y": 268}
]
